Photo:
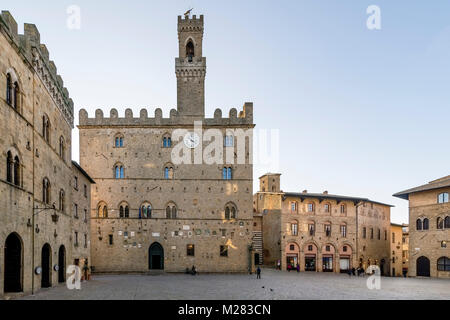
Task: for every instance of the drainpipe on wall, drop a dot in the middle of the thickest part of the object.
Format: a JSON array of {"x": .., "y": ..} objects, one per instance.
[{"x": 32, "y": 208}]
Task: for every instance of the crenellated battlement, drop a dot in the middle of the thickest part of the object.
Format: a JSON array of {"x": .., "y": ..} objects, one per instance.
[
  {"x": 188, "y": 24},
  {"x": 29, "y": 46},
  {"x": 243, "y": 118}
]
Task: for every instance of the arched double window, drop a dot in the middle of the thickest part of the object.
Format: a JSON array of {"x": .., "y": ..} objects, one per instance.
[
  {"x": 62, "y": 200},
  {"x": 12, "y": 90},
  {"x": 230, "y": 212},
  {"x": 46, "y": 191},
  {"x": 119, "y": 171},
  {"x": 168, "y": 172},
  {"x": 13, "y": 169},
  {"x": 146, "y": 211},
  {"x": 227, "y": 173},
  {"x": 171, "y": 211},
  {"x": 46, "y": 128},
  {"x": 118, "y": 141},
  {"x": 422, "y": 224},
  {"x": 443, "y": 198},
  {"x": 167, "y": 141},
  {"x": 102, "y": 210},
  {"x": 124, "y": 210},
  {"x": 343, "y": 209}
]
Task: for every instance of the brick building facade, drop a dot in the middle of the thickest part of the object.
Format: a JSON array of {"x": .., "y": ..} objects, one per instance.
[{"x": 321, "y": 232}]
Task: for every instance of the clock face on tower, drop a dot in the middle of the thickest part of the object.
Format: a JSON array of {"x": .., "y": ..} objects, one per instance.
[{"x": 191, "y": 140}]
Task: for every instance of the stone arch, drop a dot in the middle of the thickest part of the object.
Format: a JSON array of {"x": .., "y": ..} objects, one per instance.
[
  {"x": 311, "y": 256},
  {"x": 46, "y": 266},
  {"x": 13, "y": 263},
  {"x": 328, "y": 257}
]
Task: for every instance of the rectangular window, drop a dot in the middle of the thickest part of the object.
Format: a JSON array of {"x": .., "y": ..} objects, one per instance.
[
  {"x": 85, "y": 191},
  {"x": 111, "y": 239},
  {"x": 344, "y": 231},
  {"x": 328, "y": 230},
  {"x": 75, "y": 183},
  {"x": 310, "y": 207},
  {"x": 85, "y": 215},
  {"x": 190, "y": 250},
  {"x": 294, "y": 206},
  {"x": 229, "y": 141},
  {"x": 311, "y": 229},
  {"x": 75, "y": 209},
  {"x": 85, "y": 240},
  {"x": 294, "y": 229},
  {"x": 393, "y": 237},
  {"x": 224, "y": 251},
  {"x": 364, "y": 235},
  {"x": 76, "y": 238},
  {"x": 371, "y": 233}
]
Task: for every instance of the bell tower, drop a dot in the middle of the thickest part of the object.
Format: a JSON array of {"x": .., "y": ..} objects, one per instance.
[{"x": 190, "y": 68}]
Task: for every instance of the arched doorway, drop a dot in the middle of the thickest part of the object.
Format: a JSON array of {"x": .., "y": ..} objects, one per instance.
[
  {"x": 328, "y": 254},
  {"x": 13, "y": 264},
  {"x": 292, "y": 256},
  {"x": 45, "y": 265},
  {"x": 423, "y": 267},
  {"x": 62, "y": 264},
  {"x": 156, "y": 257},
  {"x": 310, "y": 250},
  {"x": 345, "y": 258}
]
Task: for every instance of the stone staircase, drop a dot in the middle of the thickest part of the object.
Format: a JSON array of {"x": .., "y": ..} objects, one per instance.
[{"x": 258, "y": 245}]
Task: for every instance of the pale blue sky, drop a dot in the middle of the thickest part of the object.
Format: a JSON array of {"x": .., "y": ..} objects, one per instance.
[{"x": 360, "y": 112}]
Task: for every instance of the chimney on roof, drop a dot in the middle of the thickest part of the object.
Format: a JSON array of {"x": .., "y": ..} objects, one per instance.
[
  {"x": 305, "y": 191},
  {"x": 325, "y": 192}
]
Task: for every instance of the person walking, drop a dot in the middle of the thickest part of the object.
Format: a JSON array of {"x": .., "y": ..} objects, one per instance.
[
  {"x": 298, "y": 268},
  {"x": 258, "y": 273},
  {"x": 279, "y": 265}
]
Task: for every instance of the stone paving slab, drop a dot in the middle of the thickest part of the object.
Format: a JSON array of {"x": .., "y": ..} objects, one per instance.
[{"x": 277, "y": 286}]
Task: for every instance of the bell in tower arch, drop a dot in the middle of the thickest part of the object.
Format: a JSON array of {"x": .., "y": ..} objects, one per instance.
[{"x": 190, "y": 51}]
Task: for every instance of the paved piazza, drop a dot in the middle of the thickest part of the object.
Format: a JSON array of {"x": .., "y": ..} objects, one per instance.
[{"x": 240, "y": 287}]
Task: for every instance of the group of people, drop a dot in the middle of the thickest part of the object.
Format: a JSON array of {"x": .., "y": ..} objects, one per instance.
[
  {"x": 192, "y": 271},
  {"x": 356, "y": 272}
]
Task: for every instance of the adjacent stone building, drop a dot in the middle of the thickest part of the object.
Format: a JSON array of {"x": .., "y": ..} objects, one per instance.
[
  {"x": 429, "y": 228},
  {"x": 321, "y": 232},
  {"x": 36, "y": 121},
  {"x": 405, "y": 249},
  {"x": 151, "y": 212},
  {"x": 396, "y": 250}
]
